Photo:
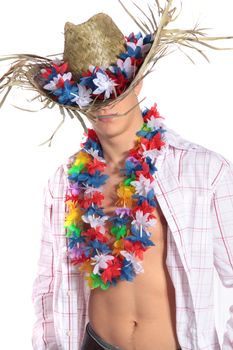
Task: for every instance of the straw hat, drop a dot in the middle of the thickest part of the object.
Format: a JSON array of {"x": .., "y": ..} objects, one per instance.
[
  {"x": 90, "y": 43},
  {"x": 100, "y": 65}
]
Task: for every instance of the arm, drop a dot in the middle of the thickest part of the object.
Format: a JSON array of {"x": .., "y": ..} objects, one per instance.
[
  {"x": 43, "y": 334},
  {"x": 222, "y": 217}
]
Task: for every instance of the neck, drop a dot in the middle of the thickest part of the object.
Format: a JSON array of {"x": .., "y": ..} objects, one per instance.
[{"x": 116, "y": 148}]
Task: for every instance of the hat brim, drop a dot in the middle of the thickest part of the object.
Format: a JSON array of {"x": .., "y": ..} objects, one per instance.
[{"x": 26, "y": 67}]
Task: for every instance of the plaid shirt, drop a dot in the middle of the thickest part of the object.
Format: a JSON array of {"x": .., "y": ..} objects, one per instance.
[{"x": 195, "y": 193}]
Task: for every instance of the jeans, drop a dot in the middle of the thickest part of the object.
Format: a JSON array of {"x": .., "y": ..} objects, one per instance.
[{"x": 93, "y": 341}]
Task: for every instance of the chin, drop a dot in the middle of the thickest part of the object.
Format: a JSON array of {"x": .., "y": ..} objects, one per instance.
[{"x": 115, "y": 126}]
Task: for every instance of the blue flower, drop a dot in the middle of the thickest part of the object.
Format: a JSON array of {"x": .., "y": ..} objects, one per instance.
[
  {"x": 148, "y": 134},
  {"x": 149, "y": 198},
  {"x": 74, "y": 240},
  {"x": 132, "y": 36},
  {"x": 88, "y": 81},
  {"x": 137, "y": 53},
  {"x": 152, "y": 167},
  {"x": 87, "y": 250},
  {"x": 137, "y": 237},
  {"x": 131, "y": 168},
  {"x": 64, "y": 94},
  {"x": 127, "y": 271},
  {"x": 95, "y": 180},
  {"x": 116, "y": 70},
  {"x": 99, "y": 247},
  {"x": 148, "y": 39},
  {"x": 114, "y": 282},
  {"x": 118, "y": 221},
  {"x": 94, "y": 210},
  {"x": 145, "y": 111},
  {"x": 93, "y": 144}
]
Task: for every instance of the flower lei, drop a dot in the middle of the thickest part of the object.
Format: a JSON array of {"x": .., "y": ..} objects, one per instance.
[
  {"x": 88, "y": 238},
  {"x": 96, "y": 83}
]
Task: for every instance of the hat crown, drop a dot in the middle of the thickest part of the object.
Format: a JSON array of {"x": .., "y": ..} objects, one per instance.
[{"x": 97, "y": 42}]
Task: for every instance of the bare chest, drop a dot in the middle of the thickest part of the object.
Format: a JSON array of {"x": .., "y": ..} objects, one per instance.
[
  {"x": 135, "y": 311},
  {"x": 158, "y": 232}
]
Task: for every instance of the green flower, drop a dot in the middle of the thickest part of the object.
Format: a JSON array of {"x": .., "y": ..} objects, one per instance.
[
  {"x": 97, "y": 282},
  {"x": 76, "y": 169},
  {"x": 72, "y": 230},
  {"x": 119, "y": 232}
]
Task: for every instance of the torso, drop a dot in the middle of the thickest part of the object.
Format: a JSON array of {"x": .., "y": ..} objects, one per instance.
[{"x": 139, "y": 314}]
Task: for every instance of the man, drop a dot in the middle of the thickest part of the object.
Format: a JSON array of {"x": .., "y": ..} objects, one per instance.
[
  {"x": 171, "y": 304},
  {"x": 138, "y": 218},
  {"x": 141, "y": 314}
]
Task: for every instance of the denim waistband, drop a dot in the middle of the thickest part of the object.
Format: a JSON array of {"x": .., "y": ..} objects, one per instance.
[
  {"x": 99, "y": 340},
  {"x": 102, "y": 342}
]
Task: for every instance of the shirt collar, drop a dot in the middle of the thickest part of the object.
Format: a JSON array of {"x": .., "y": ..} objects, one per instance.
[{"x": 177, "y": 141}]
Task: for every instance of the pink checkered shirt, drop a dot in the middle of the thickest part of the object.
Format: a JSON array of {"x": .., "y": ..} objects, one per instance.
[{"x": 195, "y": 193}]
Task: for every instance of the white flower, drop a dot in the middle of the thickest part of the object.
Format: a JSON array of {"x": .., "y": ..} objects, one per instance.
[
  {"x": 57, "y": 61},
  {"x": 127, "y": 66},
  {"x": 136, "y": 264},
  {"x": 141, "y": 221},
  {"x": 91, "y": 189},
  {"x": 67, "y": 76},
  {"x": 100, "y": 262},
  {"x": 95, "y": 154},
  {"x": 96, "y": 221},
  {"x": 152, "y": 153},
  {"x": 144, "y": 48},
  {"x": 83, "y": 98},
  {"x": 143, "y": 186},
  {"x": 105, "y": 84},
  {"x": 52, "y": 85},
  {"x": 155, "y": 123},
  {"x": 91, "y": 68}
]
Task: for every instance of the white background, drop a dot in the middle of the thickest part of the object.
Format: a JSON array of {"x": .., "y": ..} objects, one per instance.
[{"x": 196, "y": 101}]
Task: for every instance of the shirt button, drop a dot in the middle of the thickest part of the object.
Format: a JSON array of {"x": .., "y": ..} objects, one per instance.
[
  {"x": 68, "y": 333},
  {"x": 69, "y": 292}
]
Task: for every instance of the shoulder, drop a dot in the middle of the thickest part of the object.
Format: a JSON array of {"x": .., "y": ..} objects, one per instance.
[
  {"x": 58, "y": 178},
  {"x": 198, "y": 158}
]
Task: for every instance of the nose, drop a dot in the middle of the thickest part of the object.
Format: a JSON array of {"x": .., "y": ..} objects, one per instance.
[{"x": 106, "y": 111}]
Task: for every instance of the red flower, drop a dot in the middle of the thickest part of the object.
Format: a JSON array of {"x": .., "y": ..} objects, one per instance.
[
  {"x": 97, "y": 198},
  {"x": 145, "y": 172},
  {"x": 120, "y": 80},
  {"x": 88, "y": 200},
  {"x": 134, "y": 152},
  {"x": 86, "y": 74},
  {"x": 113, "y": 270},
  {"x": 79, "y": 260},
  {"x": 131, "y": 38},
  {"x": 155, "y": 142},
  {"x": 95, "y": 165},
  {"x": 85, "y": 202},
  {"x": 46, "y": 73},
  {"x": 91, "y": 134},
  {"x": 61, "y": 69},
  {"x": 145, "y": 208},
  {"x": 152, "y": 112},
  {"x": 71, "y": 197},
  {"x": 137, "y": 61},
  {"x": 93, "y": 234},
  {"x": 100, "y": 96},
  {"x": 60, "y": 83},
  {"x": 135, "y": 247}
]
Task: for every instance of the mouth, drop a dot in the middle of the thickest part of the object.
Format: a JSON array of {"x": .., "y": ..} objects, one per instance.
[{"x": 106, "y": 117}]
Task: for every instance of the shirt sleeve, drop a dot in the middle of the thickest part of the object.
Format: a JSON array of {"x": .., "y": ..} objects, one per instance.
[
  {"x": 43, "y": 333},
  {"x": 222, "y": 216}
]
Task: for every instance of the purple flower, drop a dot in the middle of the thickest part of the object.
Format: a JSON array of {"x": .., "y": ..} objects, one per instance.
[{"x": 122, "y": 211}]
